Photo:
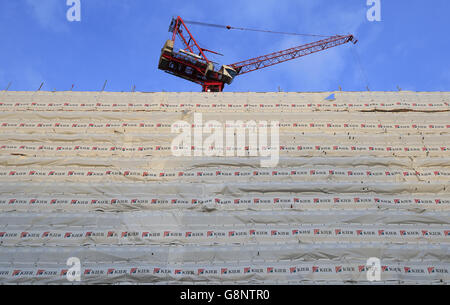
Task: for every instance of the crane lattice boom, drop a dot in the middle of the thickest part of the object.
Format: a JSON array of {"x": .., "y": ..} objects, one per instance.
[{"x": 263, "y": 61}]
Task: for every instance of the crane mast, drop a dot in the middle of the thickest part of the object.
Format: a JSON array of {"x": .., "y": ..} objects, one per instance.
[{"x": 192, "y": 64}]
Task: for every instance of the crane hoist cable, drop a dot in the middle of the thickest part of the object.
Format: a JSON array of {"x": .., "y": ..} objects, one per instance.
[
  {"x": 361, "y": 68},
  {"x": 228, "y": 27}
]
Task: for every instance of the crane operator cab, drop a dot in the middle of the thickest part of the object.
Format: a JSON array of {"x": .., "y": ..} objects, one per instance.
[{"x": 227, "y": 74}]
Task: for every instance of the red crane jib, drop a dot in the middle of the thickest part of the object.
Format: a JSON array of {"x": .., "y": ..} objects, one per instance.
[
  {"x": 292, "y": 53},
  {"x": 192, "y": 64}
]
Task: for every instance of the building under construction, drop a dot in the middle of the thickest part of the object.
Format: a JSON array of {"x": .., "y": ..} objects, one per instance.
[{"x": 92, "y": 175}]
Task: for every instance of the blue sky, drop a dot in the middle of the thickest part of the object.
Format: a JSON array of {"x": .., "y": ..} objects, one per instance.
[{"x": 120, "y": 41}]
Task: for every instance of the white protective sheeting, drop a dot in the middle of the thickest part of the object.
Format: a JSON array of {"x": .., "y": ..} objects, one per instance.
[{"x": 91, "y": 175}]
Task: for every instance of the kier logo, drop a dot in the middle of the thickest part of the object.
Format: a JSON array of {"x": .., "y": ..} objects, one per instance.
[
  {"x": 41, "y": 272},
  {"x": 87, "y": 271},
  {"x": 390, "y": 269},
  {"x": 411, "y": 270},
  {"x": 111, "y": 234}
]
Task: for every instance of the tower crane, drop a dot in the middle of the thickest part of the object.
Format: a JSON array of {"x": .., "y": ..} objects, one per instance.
[{"x": 191, "y": 62}]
